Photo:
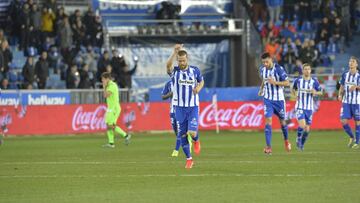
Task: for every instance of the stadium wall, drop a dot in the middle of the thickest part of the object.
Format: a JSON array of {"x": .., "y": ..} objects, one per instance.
[{"x": 150, "y": 116}]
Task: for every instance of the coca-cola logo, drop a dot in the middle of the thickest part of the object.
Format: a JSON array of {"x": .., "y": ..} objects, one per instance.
[
  {"x": 92, "y": 120},
  {"x": 246, "y": 115}
]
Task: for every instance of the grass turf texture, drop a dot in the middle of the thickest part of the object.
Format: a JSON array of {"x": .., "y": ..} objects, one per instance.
[{"x": 231, "y": 168}]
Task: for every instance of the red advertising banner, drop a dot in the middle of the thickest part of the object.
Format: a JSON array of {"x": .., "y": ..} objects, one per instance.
[{"x": 89, "y": 118}]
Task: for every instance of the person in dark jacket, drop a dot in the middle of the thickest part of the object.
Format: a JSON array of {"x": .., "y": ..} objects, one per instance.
[
  {"x": 102, "y": 63},
  {"x": 42, "y": 70},
  {"x": 85, "y": 82},
  {"x": 72, "y": 77},
  {"x": 28, "y": 72},
  {"x": 7, "y": 55}
]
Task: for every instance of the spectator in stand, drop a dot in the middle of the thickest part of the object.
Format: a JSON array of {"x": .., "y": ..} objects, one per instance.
[
  {"x": 48, "y": 18},
  {"x": 42, "y": 70},
  {"x": 30, "y": 3},
  {"x": 3, "y": 71},
  {"x": 79, "y": 34},
  {"x": 65, "y": 40},
  {"x": 258, "y": 10},
  {"x": 5, "y": 84},
  {"x": 269, "y": 31},
  {"x": 51, "y": 4},
  {"x": 289, "y": 9},
  {"x": 129, "y": 73},
  {"x": 26, "y": 27},
  {"x": 102, "y": 63},
  {"x": 307, "y": 53},
  {"x": 60, "y": 15},
  {"x": 2, "y": 35},
  {"x": 85, "y": 81},
  {"x": 74, "y": 18},
  {"x": 316, "y": 51},
  {"x": 7, "y": 56},
  {"x": 109, "y": 69},
  {"x": 343, "y": 9},
  {"x": 274, "y": 7},
  {"x": 297, "y": 69},
  {"x": 289, "y": 53},
  {"x": 338, "y": 33},
  {"x": 96, "y": 33},
  {"x": 274, "y": 49},
  {"x": 14, "y": 19},
  {"x": 91, "y": 58},
  {"x": 305, "y": 10},
  {"x": 72, "y": 77},
  {"x": 35, "y": 18},
  {"x": 287, "y": 30},
  {"x": 89, "y": 21},
  {"x": 28, "y": 72}
]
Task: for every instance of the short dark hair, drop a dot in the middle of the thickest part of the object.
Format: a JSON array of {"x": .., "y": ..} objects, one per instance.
[
  {"x": 182, "y": 52},
  {"x": 265, "y": 55},
  {"x": 106, "y": 75},
  {"x": 306, "y": 64}
]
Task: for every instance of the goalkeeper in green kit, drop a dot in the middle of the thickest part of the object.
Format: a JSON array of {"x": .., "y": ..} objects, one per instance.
[{"x": 111, "y": 93}]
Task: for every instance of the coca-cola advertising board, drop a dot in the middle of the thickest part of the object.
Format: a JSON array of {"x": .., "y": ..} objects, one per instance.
[{"x": 135, "y": 117}]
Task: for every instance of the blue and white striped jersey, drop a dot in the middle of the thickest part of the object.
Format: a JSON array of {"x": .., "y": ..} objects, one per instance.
[
  {"x": 167, "y": 89},
  {"x": 305, "y": 100},
  {"x": 273, "y": 92},
  {"x": 183, "y": 84},
  {"x": 347, "y": 80}
]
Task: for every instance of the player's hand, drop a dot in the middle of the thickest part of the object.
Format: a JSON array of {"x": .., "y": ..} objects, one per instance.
[
  {"x": 260, "y": 93},
  {"x": 313, "y": 91},
  {"x": 196, "y": 90},
  {"x": 178, "y": 47},
  {"x": 339, "y": 98},
  {"x": 272, "y": 81},
  {"x": 352, "y": 88}
]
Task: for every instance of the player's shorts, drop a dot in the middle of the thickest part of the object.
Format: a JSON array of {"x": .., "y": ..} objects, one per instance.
[
  {"x": 187, "y": 119},
  {"x": 111, "y": 116},
  {"x": 304, "y": 114},
  {"x": 173, "y": 122},
  {"x": 349, "y": 111},
  {"x": 274, "y": 107}
]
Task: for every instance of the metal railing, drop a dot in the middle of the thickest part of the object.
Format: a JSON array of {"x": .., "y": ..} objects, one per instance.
[{"x": 182, "y": 27}]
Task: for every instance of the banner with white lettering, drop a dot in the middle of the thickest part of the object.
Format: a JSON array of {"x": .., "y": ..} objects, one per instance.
[
  {"x": 14, "y": 98},
  {"x": 73, "y": 119}
]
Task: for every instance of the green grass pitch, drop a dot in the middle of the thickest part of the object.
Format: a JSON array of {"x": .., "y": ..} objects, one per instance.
[{"x": 231, "y": 168}]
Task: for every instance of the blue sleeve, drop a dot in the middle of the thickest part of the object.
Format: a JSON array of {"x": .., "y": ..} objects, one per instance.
[
  {"x": 166, "y": 89},
  {"x": 295, "y": 86},
  {"x": 199, "y": 77},
  {"x": 282, "y": 74},
  {"x": 342, "y": 80},
  {"x": 317, "y": 86}
]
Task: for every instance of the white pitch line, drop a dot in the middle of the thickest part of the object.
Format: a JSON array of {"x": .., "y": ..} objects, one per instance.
[
  {"x": 172, "y": 161},
  {"x": 180, "y": 175}
]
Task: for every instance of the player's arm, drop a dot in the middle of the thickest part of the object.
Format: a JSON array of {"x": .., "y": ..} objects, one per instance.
[
  {"x": 169, "y": 63},
  {"x": 260, "y": 93},
  {"x": 284, "y": 83},
  {"x": 167, "y": 96},
  {"x": 341, "y": 92},
  {"x": 106, "y": 92},
  {"x": 198, "y": 87}
]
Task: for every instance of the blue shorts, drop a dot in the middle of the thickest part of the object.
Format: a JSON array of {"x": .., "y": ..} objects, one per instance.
[
  {"x": 274, "y": 107},
  {"x": 173, "y": 122},
  {"x": 304, "y": 114},
  {"x": 349, "y": 111},
  {"x": 187, "y": 119}
]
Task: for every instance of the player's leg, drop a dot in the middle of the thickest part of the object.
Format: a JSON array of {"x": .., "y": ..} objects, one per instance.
[
  {"x": 345, "y": 115},
  {"x": 181, "y": 121},
  {"x": 356, "y": 114},
  {"x": 268, "y": 112},
  {"x": 193, "y": 126},
  {"x": 110, "y": 121},
  {"x": 308, "y": 120},
  {"x": 175, "y": 153},
  {"x": 301, "y": 125},
  {"x": 280, "y": 111},
  {"x": 120, "y": 131}
]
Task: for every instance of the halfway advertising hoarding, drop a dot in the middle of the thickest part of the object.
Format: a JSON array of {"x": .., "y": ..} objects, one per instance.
[{"x": 72, "y": 119}]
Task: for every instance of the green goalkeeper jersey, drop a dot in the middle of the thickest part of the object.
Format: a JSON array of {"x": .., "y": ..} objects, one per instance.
[{"x": 113, "y": 100}]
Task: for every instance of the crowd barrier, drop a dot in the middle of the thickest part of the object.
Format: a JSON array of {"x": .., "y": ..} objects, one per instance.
[{"x": 150, "y": 116}]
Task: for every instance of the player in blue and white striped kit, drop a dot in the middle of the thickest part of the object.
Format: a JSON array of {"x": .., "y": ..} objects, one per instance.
[
  {"x": 305, "y": 88},
  {"x": 349, "y": 94},
  {"x": 274, "y": 79},
  {"x": 187, "y": 82},
  {"x": 167, "y": 93}
]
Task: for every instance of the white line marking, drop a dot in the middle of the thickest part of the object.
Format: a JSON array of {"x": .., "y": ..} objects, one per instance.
[
  {"x": 178, "y": 161},
  {"x": 181, "y": 175}
]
